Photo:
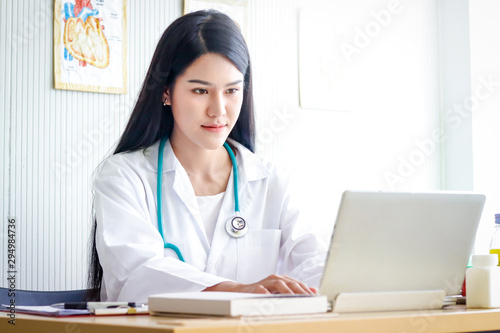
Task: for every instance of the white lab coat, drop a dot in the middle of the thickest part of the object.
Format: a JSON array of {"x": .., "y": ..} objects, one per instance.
[{"x": 135, "y": 263}]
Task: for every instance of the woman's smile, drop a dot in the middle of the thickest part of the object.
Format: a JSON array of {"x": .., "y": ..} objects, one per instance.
[{"x": 216, "y": 128}]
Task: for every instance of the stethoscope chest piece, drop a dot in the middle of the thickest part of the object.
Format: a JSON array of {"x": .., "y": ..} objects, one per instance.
[{"x": 236, "y": 226}]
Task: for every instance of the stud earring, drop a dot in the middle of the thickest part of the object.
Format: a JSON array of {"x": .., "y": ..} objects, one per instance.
[{"x": 165, "y": 102}]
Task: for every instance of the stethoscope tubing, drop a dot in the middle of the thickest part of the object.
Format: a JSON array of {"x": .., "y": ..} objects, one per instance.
[
  {"x": 159, "y": 192},
  {"x": 159, "y": 197}
]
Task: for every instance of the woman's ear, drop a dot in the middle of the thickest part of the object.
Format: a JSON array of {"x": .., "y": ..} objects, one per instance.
[{"x": 166, "y": 97}]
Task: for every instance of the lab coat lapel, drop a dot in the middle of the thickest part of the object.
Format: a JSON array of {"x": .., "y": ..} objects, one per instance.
[
  {"x": 183, "y": 188},
  {"x": 181, "y": 183}
]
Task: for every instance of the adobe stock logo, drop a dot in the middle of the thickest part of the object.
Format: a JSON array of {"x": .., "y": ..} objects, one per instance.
[
  {"x": 453, "y": 118},
  {"x": 73, "y": 157}
]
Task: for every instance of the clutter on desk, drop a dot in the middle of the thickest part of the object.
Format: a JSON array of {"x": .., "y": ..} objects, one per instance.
[
  {"x": 61, "y": 311},
  {"x": 46, "y": 310}
]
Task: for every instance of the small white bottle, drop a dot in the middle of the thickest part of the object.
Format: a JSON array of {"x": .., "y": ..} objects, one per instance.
[{"x": 483, "y": 282}]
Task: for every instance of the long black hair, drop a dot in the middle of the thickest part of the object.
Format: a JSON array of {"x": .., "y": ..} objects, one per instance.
[{"x": 185, "y": 40}]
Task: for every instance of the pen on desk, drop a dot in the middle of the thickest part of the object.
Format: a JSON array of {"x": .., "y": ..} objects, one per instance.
[{"x": 96, "y": 305}]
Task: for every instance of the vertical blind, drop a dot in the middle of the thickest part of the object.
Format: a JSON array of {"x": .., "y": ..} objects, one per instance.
[{"x": 52, "y": 140}]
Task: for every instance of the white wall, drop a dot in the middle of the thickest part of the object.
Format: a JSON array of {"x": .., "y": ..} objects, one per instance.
[
  {"x": 53, "y": 139},
  {"x": 395, "y": 109},
  {"x": 455, "y": 76},
  {"x": 485, "y": 67}
]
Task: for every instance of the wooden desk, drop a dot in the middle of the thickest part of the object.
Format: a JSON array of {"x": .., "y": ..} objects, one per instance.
[{"x": 451, "y": 319}]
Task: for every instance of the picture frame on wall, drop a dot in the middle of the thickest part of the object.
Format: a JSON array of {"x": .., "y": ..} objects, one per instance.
[
  {"x": 235, "y": 9},
  {"x": 90, "y": 45}
]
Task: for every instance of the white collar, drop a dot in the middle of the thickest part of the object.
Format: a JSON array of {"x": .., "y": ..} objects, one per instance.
[{"x": 250, "y": 167}]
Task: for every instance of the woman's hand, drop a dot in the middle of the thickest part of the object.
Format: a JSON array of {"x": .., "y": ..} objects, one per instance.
[{"x": 273, "y": 284}]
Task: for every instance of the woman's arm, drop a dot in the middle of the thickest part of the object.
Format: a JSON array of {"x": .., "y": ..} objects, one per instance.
[{"x": 130, "y": 248}]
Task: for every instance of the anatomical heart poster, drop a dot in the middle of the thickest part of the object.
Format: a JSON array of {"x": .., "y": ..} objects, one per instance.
[{"x": 90, "y": 45}]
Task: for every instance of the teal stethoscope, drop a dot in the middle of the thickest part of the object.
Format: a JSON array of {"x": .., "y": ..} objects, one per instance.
[{"x": 236, "y": 226}]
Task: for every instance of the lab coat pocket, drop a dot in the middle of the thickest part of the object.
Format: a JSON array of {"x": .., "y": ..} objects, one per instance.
[{"x": 257, "y": 254}]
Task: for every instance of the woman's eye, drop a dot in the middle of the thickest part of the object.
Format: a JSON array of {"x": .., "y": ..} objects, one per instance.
[
  {"x": 232, "y": 90},
  {"x": 200, "y": 91}
]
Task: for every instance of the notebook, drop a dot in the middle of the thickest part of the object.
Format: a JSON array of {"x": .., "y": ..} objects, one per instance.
[
  {"x": 393, "y": 241},
  {"x": 235, "y": 304}
]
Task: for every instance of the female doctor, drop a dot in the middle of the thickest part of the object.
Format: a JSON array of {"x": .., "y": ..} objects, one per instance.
[{"x": 183, "y": 204}]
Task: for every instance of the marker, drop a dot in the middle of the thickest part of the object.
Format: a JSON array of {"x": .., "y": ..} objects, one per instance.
[{"x": 96, "y": 305}]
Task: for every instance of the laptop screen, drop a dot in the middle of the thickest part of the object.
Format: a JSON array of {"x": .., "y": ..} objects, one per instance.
[{"x": 388, "y": 241}]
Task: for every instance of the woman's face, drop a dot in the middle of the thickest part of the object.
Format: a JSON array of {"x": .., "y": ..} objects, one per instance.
[{"x": 206, "y": 102}]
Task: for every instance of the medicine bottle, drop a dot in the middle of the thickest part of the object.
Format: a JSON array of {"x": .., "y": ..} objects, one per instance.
[
  {"x": 495, "y": 240},
  {"x": 483, "y": 282}
]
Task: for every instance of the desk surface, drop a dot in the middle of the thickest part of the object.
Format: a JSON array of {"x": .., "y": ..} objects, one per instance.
[{"x": 451, "y": 319}]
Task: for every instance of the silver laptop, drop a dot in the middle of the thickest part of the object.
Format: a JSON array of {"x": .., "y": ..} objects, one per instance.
[{"x": 384, "y": 241}]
